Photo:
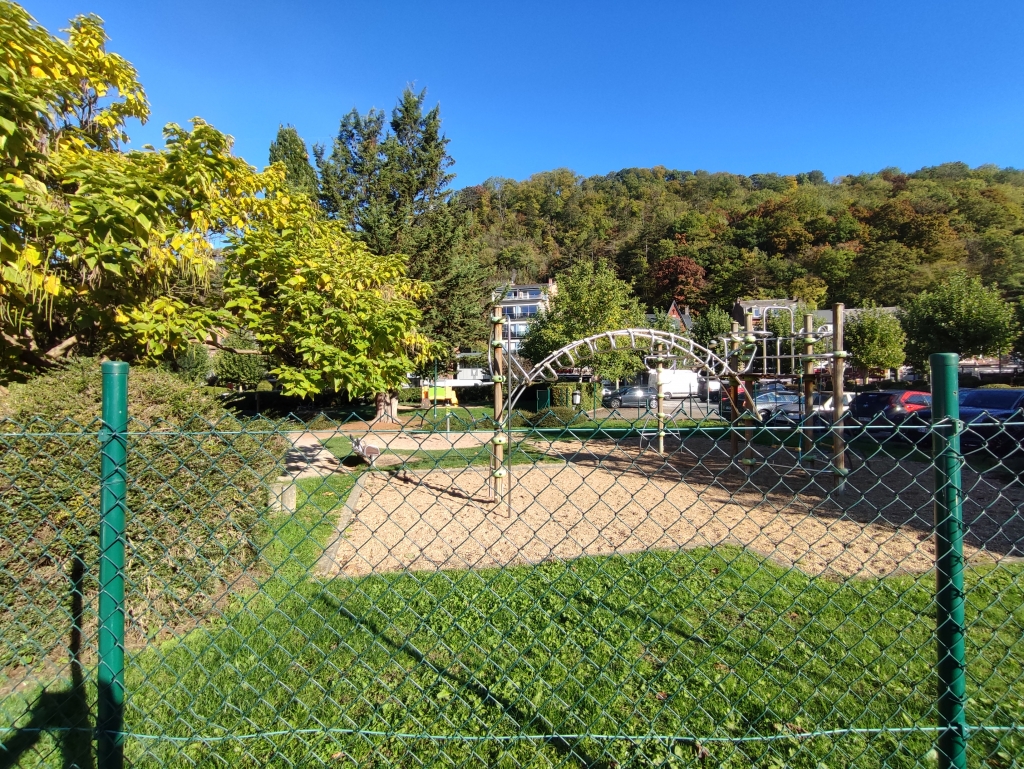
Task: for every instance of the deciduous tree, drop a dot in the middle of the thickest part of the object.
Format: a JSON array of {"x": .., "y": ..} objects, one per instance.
[
  {"x": 94, "y": 240},
  {"x": 590, "y": 299},
  {"x": 875, "y": 340},
  {"x": 329, "y": 315},
  {"x": 709, "y": 325},
  {"x": 680, "y": 278},
  {"x": 959, "y": 315}
]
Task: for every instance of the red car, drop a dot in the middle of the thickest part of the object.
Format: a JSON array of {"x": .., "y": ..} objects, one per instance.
[{"x": 882, "y": 410}]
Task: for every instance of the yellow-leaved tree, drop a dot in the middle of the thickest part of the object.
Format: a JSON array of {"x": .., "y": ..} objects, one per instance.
[{"x": 106, "y": 251}]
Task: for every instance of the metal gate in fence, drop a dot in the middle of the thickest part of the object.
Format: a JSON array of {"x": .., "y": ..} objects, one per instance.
[{"x": 219, "y": 591}]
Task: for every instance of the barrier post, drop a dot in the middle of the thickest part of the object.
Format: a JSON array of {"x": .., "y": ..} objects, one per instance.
[
  {"x": 806, "y": 440},
  {"x": 498, "y": 440},
  {"x": 949, "y": 562},
  {"x": 838, "y": 389},
  {"x": 113, "y": 491}
]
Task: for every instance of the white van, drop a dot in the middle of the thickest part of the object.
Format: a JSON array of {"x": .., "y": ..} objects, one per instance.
[{"x": 679, "y": 383}]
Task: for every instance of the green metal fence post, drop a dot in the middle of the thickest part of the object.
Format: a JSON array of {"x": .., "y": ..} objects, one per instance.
[
  {"x": 113, "y": 489},
  {"x": 949, "y": 562}
]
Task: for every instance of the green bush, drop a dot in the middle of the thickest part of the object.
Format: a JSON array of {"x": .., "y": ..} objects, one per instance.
[
  {"x": 194, "y": 501},
  {"x": 996, "y": 387},
  {"x": 522, "y": 418},
  {"x": 556, "y": 416},
  {"x": 410, "y": 396},
  {"x": 561, "y": 394},
  {"x": 193, "y": 363},
  {"x": 234, "y": 368},
  {"x": 477, "y": 394},
  {"x": 968, "y": 380},
  {"x": 265, "y": 387}
]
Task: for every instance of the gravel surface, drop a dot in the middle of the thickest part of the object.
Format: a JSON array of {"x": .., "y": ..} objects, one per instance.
[{"x": 610, "y": 497}]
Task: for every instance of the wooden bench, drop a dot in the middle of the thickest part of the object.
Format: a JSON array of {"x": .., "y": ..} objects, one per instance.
[{"x": 366, "y": 450}]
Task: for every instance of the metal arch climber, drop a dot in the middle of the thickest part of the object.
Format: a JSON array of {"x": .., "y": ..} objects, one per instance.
[{"x": 675, "y": 347}]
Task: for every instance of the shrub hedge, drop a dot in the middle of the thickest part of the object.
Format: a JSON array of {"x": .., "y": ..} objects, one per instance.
[
  {"x": 561, "y": 394},
  {"x": 556, "y": 416},
  {"x": 196, "y": 498}
]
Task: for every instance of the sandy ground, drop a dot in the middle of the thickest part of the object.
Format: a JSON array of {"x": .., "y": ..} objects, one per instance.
[{"x": 613, "y": 498}]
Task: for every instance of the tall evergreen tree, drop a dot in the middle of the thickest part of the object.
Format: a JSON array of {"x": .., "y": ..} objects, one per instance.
[
  {"x": 389, "y": 183},
  {"x": 289, "y": 148}
]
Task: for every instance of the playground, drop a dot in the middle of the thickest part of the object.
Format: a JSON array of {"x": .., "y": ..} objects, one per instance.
[{"x": 603, "y": 497}]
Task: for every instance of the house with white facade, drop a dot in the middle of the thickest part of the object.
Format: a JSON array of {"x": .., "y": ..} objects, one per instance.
[{"x": 520, "y": 303}]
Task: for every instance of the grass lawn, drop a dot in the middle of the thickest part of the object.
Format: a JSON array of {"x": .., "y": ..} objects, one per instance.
[
  {"x": 665, "y": 647},
  {"x": 459, "y": 417},
  {"x": 523, "y": 453}
]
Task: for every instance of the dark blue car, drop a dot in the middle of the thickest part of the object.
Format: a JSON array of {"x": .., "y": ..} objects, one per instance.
[{"x": 991, "y": 416}]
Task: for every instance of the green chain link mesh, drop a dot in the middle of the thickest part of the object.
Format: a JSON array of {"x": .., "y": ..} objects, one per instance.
[{"x": 288, "y": 604}]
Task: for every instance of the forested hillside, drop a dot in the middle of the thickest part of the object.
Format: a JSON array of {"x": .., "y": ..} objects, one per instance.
[{"x": 708, "y": 238}]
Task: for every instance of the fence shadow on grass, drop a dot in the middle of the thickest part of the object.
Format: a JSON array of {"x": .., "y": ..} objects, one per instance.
[
  {"x": 65, "y": 713},
  {"x": 530, "y": 723}
]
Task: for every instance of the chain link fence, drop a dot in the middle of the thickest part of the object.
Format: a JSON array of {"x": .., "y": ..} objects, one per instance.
[{"x": 350, "y": 593}]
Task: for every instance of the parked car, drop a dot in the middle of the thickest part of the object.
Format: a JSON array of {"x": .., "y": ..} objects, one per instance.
[
  {"x": 638, "y": 396},
  {"x": 878, "y": 412},
  {"x": 822, "y": 403},
  {"x": 774, "y": 386},
  {"x": 709, "y": 388},
  {"x": 993, "y": 416},
  {"x": 769, "y": 404},
  {"x": 725, "y": 407}
]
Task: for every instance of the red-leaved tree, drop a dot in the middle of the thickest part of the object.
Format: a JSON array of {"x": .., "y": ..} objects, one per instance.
[{"x": 682, "y": 279}]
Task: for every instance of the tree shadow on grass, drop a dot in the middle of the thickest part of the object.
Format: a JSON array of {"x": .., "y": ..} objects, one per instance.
[{"x": 64, "y": 713}]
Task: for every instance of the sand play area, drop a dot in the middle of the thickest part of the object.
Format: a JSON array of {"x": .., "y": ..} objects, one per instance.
[{"x": 606, "y": 497}]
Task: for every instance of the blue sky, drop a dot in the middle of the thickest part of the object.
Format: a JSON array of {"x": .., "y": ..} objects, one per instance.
[{"x": 737, "y": 86}]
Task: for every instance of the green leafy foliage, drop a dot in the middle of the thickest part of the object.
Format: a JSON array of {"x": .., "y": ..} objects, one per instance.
[
  {"x": 238, "y": 368},
  {"x": 590, "y": 299},
  {"x": 874, "y": 236},
  {"x": 388, "y": 184},
  {"x": 330, "y": 315},
  {"x": 193, "y": 364},
  {"x": 962, "y": 315},
  {"x": 709, "y": 325},
  {"x": 875, "y": 340},
  {"x": 49, "y": 482},
  {"x": 91, "y": 237}
]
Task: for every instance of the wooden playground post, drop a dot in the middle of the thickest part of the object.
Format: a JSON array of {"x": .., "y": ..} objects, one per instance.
[
  {"x": 838, "y": 372},
  {"x": 497, "y": 484},
  {"x": 806, "y": 442},
  {"x": 661, "y": 401},
  {"x": 733, "y": 394},
  {"x": 749, "y": 346}
]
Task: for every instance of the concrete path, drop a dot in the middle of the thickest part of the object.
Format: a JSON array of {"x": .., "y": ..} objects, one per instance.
[{"x": 309, "y": 458}]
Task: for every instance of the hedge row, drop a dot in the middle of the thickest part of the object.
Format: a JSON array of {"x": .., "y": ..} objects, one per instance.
[
  {"x": 561, "y": 394},
  {"x": 198, "y": 487}
]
